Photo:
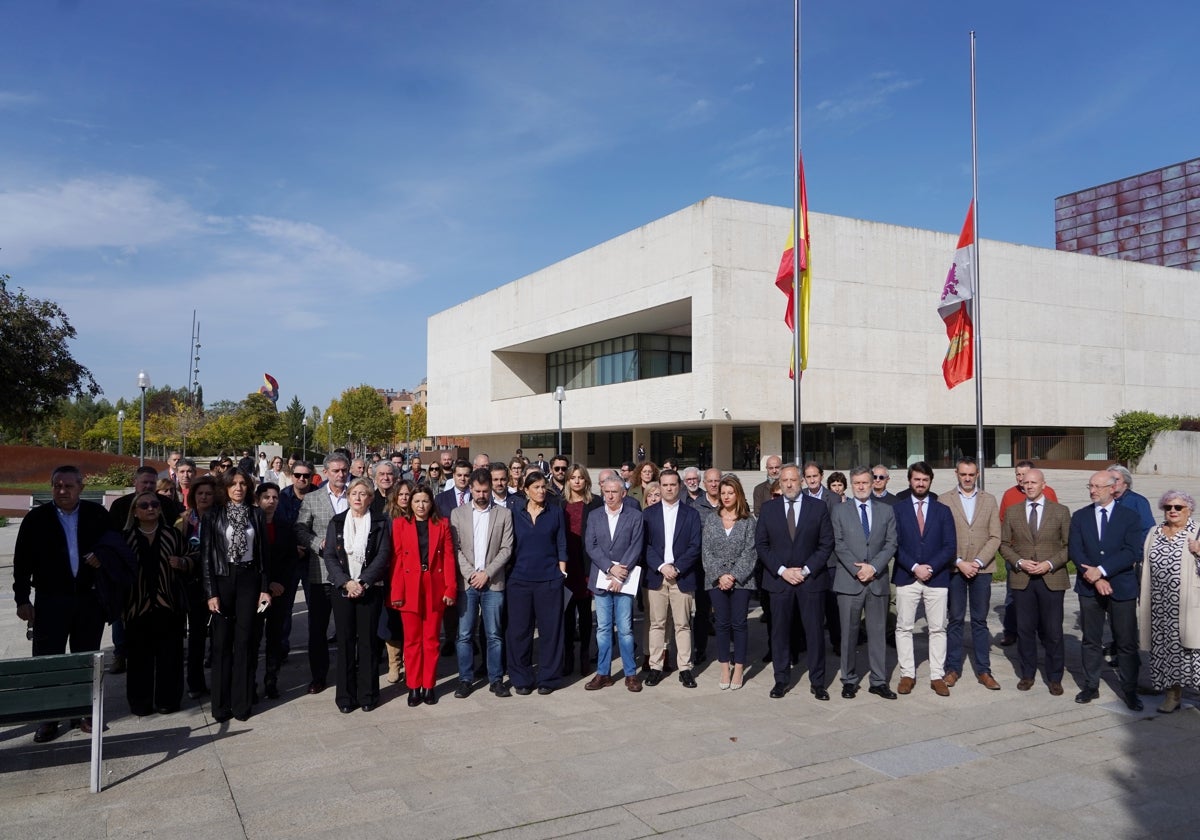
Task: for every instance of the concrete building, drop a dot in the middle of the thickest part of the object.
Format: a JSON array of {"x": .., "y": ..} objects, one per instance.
[
  {"x": 1153, "y": 218},
  {"x": 672, "y": 336}
]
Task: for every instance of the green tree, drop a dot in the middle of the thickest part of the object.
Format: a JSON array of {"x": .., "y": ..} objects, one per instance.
[
  {"x": 36, "y": 366},
  {"x": 361, "y": 415},
  {"x": 414, "y": 431},
  {"x": 292, "y": 419}
]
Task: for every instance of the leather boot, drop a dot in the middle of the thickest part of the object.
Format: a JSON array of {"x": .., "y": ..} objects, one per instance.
[
  {"x": 1171, "y": 703},
  {"x": 395, "y": 658}
]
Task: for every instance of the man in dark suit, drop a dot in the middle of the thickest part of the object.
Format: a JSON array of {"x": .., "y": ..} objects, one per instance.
[
  {"x": 614, "y": 547},
  {"x": 762, "y": 492},
  {"x": 54, "y": 555},
  {"x": 794, "y": 541},
  {"x": 1105, "y": 545},
  {"x": 879, "y": 482},
  {"x": 1033, "y": 542},
  {"x": 814, "y": 488},
  {"x": 864, "y": 539},
  {"x": 458, "y": 493},
  {"x": 672, "y": 531},
  {"x": 925, "y": 547}
]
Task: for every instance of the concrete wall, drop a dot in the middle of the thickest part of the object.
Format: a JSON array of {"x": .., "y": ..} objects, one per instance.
[{"x": 1171, "y": 453}]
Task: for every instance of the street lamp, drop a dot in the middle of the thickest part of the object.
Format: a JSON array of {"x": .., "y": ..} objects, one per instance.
[
  {"x": 329, "y": 426},
  {"x": 407, "y": 427},
  {"x": 143, "y": 383},
  {"x": 121, "y": 432},
  {"x": 304, "y": 438},
  {"x": 560, "y": 394}
]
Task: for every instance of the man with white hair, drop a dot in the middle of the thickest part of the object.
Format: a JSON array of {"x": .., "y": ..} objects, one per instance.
[{"x": 1123, "y": 493}]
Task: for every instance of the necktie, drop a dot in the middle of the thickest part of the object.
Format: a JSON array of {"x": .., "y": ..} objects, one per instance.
[
  {"x": 862, "y": 509},
  {"x": 791, "y": 518},
  {"x": 921, "y": 516},
  {"x": 462, "y": 497},
  {"x": 1103, "y": 523},
  {"x": 1033, "y": 520}
]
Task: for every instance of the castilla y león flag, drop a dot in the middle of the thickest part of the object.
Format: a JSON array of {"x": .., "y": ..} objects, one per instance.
[{"x": 955, "y": 307}]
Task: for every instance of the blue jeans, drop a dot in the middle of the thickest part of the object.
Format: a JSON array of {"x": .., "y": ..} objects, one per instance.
[
  {"x": 476, "y": 601},
  {"x": 977, "y": 593},
  {"x": 612, "y": 607}
]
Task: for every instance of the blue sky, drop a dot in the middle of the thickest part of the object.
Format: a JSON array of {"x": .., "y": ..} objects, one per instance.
[{"x": 316, "y": 178}]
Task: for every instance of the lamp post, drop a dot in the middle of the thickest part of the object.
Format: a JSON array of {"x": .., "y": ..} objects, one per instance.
[
  {"x": 329, "y": 427},
  {"x": 143, "y": 383},
  {"x": 560, "y": 394},
  {"x": 304, "y": 438},
  {"x": 407, "y": 427},
  {"x": 121, "y": 432}
]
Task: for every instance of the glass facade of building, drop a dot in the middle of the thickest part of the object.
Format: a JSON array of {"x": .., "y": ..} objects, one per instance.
[{"x": 624, "y": 359}]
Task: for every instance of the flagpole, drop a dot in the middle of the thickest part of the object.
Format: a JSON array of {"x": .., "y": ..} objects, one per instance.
[
  {"x": 796, "y": 245},
  {"x": 977, "y": 331}
]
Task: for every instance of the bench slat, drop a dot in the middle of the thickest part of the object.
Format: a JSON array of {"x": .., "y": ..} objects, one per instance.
[
  {"x": 21, "y": 682},
  {"x": 36, "y": 664},
  {"x": 34, "y": 702}
]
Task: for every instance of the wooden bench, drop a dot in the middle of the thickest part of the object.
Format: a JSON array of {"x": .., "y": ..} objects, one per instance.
[
  {"x": 69, "y": 685},
  {"x": 42, "y": 498}
]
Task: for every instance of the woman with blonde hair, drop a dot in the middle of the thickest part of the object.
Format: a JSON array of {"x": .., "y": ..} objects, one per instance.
[
  {"x": 578, "y": 502},
  {"x": 729, "y": 558}
]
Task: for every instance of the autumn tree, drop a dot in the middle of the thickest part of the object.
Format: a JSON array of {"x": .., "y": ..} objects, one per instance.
[{"x": 361, "y": 415}]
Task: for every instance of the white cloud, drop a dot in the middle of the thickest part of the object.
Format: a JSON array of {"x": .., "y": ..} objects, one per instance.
[
  {"x": 869, "y": 97},
  {"x": 11, "y": 99}
]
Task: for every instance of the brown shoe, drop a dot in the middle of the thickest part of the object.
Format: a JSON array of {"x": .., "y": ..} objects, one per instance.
[
  {"x": 950, "y": 679},
  {"x": 940, "y": 688},
  {"x": 633, "y": 684},
  {"x": 989, "y": 682},
  {"x": 1055, "y": 688},
  {"x": 1025, "y": 684},
  {"x": 598, "y": 682},
  {"x": 906, "y": 685}
]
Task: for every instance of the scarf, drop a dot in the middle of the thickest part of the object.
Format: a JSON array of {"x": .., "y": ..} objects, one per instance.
[
  {"x": 355, "y": 535},
  {"x": 239, "y": 521}
]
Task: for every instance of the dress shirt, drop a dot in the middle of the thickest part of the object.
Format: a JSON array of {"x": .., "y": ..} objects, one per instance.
[
  {"x": 1108, "y": 509},
  {"x": 613, "y": 516},
  {"x": 1040, "y": 501},
  {"x": 919, "y": 512},
  {"x": 968, "y": 504},
  {"x": 70, "y": 526},
  {"x": 858, "y": 505},
  {"x": 341, "y": 503},
  {"x": 670, "y": 514},
  {"x": 480, "y": 522},
  {"x": 795, "y": 517}
]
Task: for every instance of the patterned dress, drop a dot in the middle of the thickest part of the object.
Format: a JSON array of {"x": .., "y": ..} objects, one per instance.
[{"x": 1170, "y": 662}]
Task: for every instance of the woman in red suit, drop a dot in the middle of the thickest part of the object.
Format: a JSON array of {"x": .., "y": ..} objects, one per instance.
[{"x": 424, "y": 583}]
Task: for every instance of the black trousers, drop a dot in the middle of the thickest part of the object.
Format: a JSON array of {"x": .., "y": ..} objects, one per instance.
[
  {"x": 702, "y": 624},
  {"x": 72, "y": 619},
  {"x": 1039, "y": 613},
  {"x": 1122, "y": 618},
  {"x": 357, "y": 675},
  {"x": 317, "y": 599},
  {"x": 811, "y": 608},
  {"x": 577, "y": 627},
  {"x": 154, "y": 657},
  {"x": 235, "y": 642},
  {"x": 533, "y": 603},
  {"x": 198, "y": 618}
]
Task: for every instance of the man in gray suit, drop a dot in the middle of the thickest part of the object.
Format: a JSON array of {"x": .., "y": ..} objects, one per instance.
[
  {"x": 483, "y": 544},
  {"x": 864, "y": 540},
  {"x": 614, "y": 546}
]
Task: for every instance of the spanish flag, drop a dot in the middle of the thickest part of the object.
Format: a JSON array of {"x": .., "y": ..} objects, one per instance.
[
  {"x": 783, "y": 277},
  {"x": 955, "y": 307}
]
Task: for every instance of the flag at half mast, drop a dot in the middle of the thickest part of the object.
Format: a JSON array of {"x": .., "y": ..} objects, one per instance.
[
  {"x": 784, "y": 277},
  {"x": 955, "y": 307}
]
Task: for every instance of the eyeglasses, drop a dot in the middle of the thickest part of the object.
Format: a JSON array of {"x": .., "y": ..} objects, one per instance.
[
  {"x": 880, "y": 477},
  {"x": 1175, "y": 507},
  {"x": 302, "y": 476},
  {"x": 148, "y": 505},
  {"x": 1099, "y": 486},
  {"x": 559, "y": 469}
]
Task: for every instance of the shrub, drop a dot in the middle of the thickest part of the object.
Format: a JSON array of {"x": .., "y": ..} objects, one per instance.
[
  {"x": 1131, "y": 431},
  {"x": 115, "y": 476}
]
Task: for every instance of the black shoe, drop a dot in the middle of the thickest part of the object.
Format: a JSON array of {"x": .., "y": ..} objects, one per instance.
[
  {"x": 654, "y": 677},
  {"x": 849, "y": 691},
  {"x": 197, "y": 693},
  {"x": 1087, "y": 695},
  {"x": 429, "y": 697},
  {"x": 316, "y": 687},
  {"x": 544, "y": 690},
  {"x": 687, "y": 679},
  {"x": 1132, "y": 702},
  {"x": 779, "y": 690},
  {"x": 271, "y": 690},
  {"x": 141, "y": 711},
  {"x": 368, "y": 707},
  {"x": 46, "y": 732},
  {"x": 1008, "y": 640},
  {"x": 499, "y": 689},
  {"x": 463, "y": 691},
  {"x": 243, "y": 718},
  {"x": 699, "y": 656},
  {"x": 345, "y": 709},
  {"x": 523, "y": 690},
  {"x": 221, "y": 717},
  {"x": 882, "y": 691},
  {"x": 167, "y": 710},
  {"x": 819, "y": 692},
  {"x": 414, "y": 697}
]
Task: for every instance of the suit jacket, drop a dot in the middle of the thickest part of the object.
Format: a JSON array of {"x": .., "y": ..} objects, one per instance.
[
  {"x": 905, "y": 495},
  {"x": 888, "y": 498},
  {"x": 762, "y": 495},
  {"x": 499, "y": 547},
  {"x": 812, "y": 547},
  {"x": 685, "y": 546},
  {"x": 1118, "y": 553},
  {"x": 1141, "y": 506},
  {"x": 378, "y": 554},
  {"x": 447, "y": 501},
  {"x": 312, "y": 527},
  {"x": 979, "y": 538},
  {"x": 936, "y": 547},
  {"x": 851, "y": 546},
  {"x": 624, "y": 547},
  {"x": 40, "y": 557},
  {"x": 1017, "y": 543},
  {"x": 831, "y": 499},
  {"x": 407, "y": 579}
]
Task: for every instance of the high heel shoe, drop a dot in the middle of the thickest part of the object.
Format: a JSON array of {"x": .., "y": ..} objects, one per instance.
[
  {"x": 724, "y": 683},
  {"x": 734, "y": 686},
  {"x": 414, "y": 697}
]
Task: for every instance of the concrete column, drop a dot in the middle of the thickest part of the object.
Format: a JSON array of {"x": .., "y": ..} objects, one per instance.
[
  {"x": 771, "y": 441},
  {"x": 722, "y": 447},
  {"x": 579, "y": 452},
  {"x": 916, "y": 444},
  {"x": 1004, "y": 447},
  {"x": 641, "y": 436}
]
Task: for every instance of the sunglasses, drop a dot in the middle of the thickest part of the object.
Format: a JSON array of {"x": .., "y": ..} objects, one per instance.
[
  {"x": 148, "y": 506},
  {"x": 302, "y": 476},
  {"x": 1174, "y": 507},
  {"x": 880, "y": 477}
]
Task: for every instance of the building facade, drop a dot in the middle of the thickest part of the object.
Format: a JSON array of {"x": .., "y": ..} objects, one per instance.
[
  {"x": 671, "y": 336},
  {"x": 1152, "y": 218}
]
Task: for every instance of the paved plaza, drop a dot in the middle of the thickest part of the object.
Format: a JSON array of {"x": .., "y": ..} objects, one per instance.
[{"x": 667, "y": 762}]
